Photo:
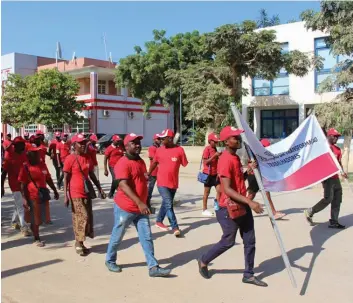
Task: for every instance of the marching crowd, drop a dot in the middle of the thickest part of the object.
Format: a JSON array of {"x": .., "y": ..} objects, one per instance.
[{"x": 76, "y": 167}]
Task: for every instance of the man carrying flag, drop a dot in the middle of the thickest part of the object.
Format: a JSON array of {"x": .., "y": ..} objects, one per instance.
[{"x": 332, "y": 188}]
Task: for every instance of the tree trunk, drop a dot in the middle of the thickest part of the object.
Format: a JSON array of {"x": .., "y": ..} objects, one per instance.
[
  {"x": 210, "y": 129},
  {"x": 346, "y": 150},
  {"x": 177, "y": 126}
]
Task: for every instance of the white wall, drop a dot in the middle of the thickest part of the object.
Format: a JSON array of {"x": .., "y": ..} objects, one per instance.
[
  {"x": 114, "y": 124},
  {"x": 301, "y": 90}
]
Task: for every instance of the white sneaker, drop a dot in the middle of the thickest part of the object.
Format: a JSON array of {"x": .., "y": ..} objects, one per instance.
[{"x": 207, "y": 213}]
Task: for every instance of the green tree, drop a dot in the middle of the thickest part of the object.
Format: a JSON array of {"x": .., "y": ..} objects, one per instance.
[
  {"x": 335, "y": 19},
  {"x": 145, "y": 71},
  {"x": 265, "y": 21},
  {"x": 47, "y": 97},
  {"x": 238, "y": 51}
]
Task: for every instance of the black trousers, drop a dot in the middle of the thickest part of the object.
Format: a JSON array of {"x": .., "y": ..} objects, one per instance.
[{"x": 112, "y": 187}]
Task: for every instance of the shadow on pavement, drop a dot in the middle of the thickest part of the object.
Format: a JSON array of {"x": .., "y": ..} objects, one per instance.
[{"x": 18, "y": 270}]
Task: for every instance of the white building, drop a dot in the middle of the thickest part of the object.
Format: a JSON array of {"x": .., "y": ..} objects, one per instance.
[
  {"x": 281, "y": 105},
  {"x": 109, "y": 110}
]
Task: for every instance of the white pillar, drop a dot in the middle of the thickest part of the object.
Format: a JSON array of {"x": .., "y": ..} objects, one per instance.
[
  {"x": 301, "y": 113},
  {"x": 257, "y": 122}
]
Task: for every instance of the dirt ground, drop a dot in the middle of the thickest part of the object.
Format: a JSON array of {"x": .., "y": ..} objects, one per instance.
[{"x": 321, "y": 258}]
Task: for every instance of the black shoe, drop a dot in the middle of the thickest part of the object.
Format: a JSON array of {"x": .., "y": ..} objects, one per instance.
[
  {"x": 334, "y": 224},
  {"x": 255, "y": 281},
  {"x": 203, "y": 270}
]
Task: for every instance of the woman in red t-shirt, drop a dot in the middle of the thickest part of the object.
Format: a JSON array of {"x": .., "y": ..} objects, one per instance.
[
  {"x": 34, "y": 175},
  {"x": 78, "y": 169}
]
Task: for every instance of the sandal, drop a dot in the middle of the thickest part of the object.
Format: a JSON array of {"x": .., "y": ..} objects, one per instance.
[
  {"x": 39, "y": 243},
  {"x": 80, "y": 251},
  {"x": 279, "y": 215}
]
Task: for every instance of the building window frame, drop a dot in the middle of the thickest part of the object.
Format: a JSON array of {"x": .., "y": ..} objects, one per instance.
[
  {"x": 285, "y": 118},
  {"x": 325, "y": 71},
  {"x": 102, "y": 87},
  {"x": 281, "y": 75},
  {"x": 31, "y": 128},
  {"x": 81, "y": 127}
]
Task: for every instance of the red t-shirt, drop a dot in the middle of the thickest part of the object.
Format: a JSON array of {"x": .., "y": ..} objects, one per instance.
[
  {"x": 39, "y": 174},
  {"x": 229, "y": 166},
  {"x": 92, "y": 151},
  {"x": 169, "y": 161},
  {"x": 113, "y": 153},
  {"x": 52, "y": 146},
  {"x": 28, "y": 145},
  {"x": 151, "y": 153},
  {"x": 13, "y": 165},
  {"x": 210, "y": 168},
  {"x": 338, "y": 153},
  {"x": 5, "y": 144},
  {"x": 43, "y": 152},
  {"x": 71, "y": 166},
  {"x": 135, "y": 172},
  {"x": 64, "y": 149}
]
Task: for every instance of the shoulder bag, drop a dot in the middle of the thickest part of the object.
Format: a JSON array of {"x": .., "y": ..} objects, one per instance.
[
  {"x": 89, "y": 190},
  {"x": 43, "y": 192},
  {"x": 203, "y": 177},
  {"x": 235, "y": 209}
]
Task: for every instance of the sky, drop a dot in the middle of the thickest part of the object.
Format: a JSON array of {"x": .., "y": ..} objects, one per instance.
[{"x": 35, "y": 27}]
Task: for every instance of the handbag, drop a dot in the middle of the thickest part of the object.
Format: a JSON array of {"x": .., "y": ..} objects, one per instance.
[
  {"x": 43, "y": 192},
  {"x": 89, "y": 190},
  {"x": 235, "y": 209},
  {"x": 201, "y": 176}
]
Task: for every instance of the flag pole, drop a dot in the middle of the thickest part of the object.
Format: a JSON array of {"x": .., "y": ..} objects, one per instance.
[{"x": 264, "y": 196}]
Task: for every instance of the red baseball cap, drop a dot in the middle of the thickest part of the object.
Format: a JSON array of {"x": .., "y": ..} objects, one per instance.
[
  {"x": 18, "y": 139},
  {"x": 93, "y": 138},
  {"x": 131, "y": 137},
  {"x": 33, "y": 148},
  {"x": 26, "y": 134},
  {"x": 229, "y": 131},
  {"x": 39, "y": 132},
  {"x": 265, "y": 142},
  {"x": 333, "y": 132},
  {"x": 156, "y": 136},
  {"x": 58, "y": 134},
  {"x": 212, "y": 137},
  {"x": 166, "y": 133},
  {"x": 78, "y": 138},
  {"x": 116, "y": 138}
]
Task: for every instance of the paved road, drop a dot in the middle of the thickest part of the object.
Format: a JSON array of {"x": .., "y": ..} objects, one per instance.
[{"x": 321, "y": 258}]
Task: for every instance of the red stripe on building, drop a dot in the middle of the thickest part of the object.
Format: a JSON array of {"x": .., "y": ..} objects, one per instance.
[
  {"x": 116, "y": 102},
  {"x": 127, "y": 109}
]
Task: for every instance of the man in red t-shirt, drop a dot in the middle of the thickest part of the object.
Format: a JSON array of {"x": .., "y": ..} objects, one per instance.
[
  {"x": 332, "y": 188},
  {"x": 210, "y": 157},
  {"x": 153, "y": 177},
  {"x": 12, "y": 165},
  {"x": 7, "y": 145},
  {"x": 92, "y": 151},
  {"x": 233, "y": 189},
  {"x": 111, "y": 156},
  {"x": 131, "y": 207},
  {"x": 63, "y": 150},
  {"x": 53, "y": 147},
  {"x": 169, "y": 157}
]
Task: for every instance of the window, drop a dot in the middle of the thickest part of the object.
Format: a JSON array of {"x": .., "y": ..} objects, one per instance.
[
  {"x": 55, "y": 128},
  {"x": 278, "y": 123},
  {"x": 81, "y": 127},
  {"x": 279, "y": 86},
  {"x": 329, "y": 61},
  {"x": 102, "y": 87},
  {"x": 31, "y": 128}
]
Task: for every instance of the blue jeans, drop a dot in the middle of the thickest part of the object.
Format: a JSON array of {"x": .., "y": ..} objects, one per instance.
[
  {"x": 167, "y": 206},
  {"x": 122, "y": 220},
  {"x": 151, "y": 182}
]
